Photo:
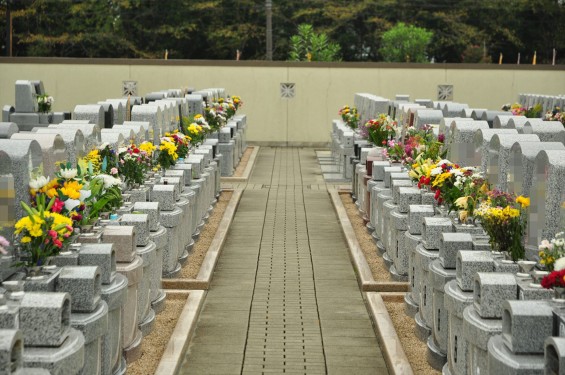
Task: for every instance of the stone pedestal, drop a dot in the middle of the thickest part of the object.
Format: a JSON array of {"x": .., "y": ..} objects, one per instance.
[
  {"x": 131, "y": 335},
  {"x": 455, "y": 302},
  {"x": 115, "y": 296}
]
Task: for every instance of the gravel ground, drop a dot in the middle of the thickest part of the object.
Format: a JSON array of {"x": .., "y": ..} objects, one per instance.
[
  {"x": 195, "y": 259},
  {"x": 153, "y": 345},
  {"x": 376, "y": 263},
  {"x": 243, "y": 162},
  {"x": 414, "y": 348}
]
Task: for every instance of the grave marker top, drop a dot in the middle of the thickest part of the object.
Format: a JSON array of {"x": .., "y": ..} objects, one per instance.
[
  {"x": 26, "y": 160},
  {"x": 26, "y": 97}
]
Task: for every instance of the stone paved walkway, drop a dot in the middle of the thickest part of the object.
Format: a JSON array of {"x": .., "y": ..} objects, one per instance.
[{"x": 284, "y": 297}]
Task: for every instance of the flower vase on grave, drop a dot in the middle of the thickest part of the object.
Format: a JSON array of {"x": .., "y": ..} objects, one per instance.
[{"x": 559, "y": 294}]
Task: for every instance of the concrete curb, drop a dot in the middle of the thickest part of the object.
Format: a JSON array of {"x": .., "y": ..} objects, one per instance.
[
  {"x": 206, "y": 272},
  {"x": 390, "y": 344},
  {"x": 178, "y": 343},
  {"x": 364, "y": 275},
  {"x": 248, "y": 168}
]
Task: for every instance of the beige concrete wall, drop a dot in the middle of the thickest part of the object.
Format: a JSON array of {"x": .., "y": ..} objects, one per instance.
[{"x": 321, "y": 89}]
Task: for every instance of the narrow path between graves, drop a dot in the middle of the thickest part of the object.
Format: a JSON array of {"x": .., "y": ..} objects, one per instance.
[{"x": 284, "y": 297}]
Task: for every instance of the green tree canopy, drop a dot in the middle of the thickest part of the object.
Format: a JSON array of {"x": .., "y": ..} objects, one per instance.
[
  {"x": 405, "y": 43},
  {"x": 216, "y": 29},
  {"x": 308, "y": 45}
]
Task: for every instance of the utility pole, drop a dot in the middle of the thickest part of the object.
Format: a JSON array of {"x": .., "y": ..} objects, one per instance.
[
  {"x": 269, "y": 12},
  {"x": 8, "y": 29}
]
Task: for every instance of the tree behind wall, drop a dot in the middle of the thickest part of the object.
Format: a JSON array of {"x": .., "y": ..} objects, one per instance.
[
  {"x": 405, "y": 43},
  {"x": 308, "y": 45}
]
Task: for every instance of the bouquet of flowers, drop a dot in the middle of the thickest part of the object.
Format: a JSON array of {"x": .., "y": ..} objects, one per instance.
[
  {"x": 444, "y": 178},
  {"x": 518, "y": 110},
  {"x": 167, "y": 153},
  {"x": 237, "y": 102},
  {"x": 553, "y": 251},
  {"x": 45, "y": 102},
  {"x": 556, "y": 279},
  {"x": 194, "y": 133},
  {"x": 474, "y": 189},
  {"x": 134, "y": 162},
  {"x": 350, "y": 116},
  {"x": 213, "y": 115},
  {"x": 503, "y": 217},
  {"x": 381, "y": 129},
  {"x": 555, "y": 115},
  {"x": 42, "y": 233},
  {"x": 103, "y": 159},
  {"x": 181, "y": 142}
]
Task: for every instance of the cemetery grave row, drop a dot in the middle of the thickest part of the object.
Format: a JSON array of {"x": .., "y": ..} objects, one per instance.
[
  {"x": 461, "y": 203},
  {"x": 99, "y": 205}
]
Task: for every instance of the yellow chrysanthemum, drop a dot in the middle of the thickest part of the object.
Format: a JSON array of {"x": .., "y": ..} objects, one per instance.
[
  {"x": 523, "y": 201},
  {"x": 25, "y": 239}
]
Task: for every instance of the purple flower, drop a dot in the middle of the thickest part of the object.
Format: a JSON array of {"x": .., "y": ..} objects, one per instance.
[{"x": 441, "y": 138}]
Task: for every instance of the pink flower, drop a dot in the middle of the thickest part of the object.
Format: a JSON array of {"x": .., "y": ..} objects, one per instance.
[
  {"x": 4, "y": 242},
  {"x": 114, "y": 170},
  {"x": 57, "y": 205},
  {"x": 57, "y": 243},
  {"x": 52, "y": 233}
]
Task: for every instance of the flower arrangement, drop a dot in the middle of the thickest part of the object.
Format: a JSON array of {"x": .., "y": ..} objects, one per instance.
[
  {"x": 237, "y": 102},
  {"x": 44, "y": 103},
  {"x": 103, "y": 159},
  {"x": 503, "y": 217},
  {"x": 416, "y": 144},
  {"x": 553, "y": 251},
  {"x": 181, "y": 143},
  {"x": 518, "y": 110},
  {"x": 381, "y": 129},
  {"x": 350, "y": 116},
  {"x": 195, "y": 133},
  {"x": 42, "y": 233},
  {"x": 474, "y": 189},
  {"x": 555, "y": 115},
  {"x": 214, "y": 117},
  {"x": 134, "y": 162},
  {"x": 167, "y": 153},
  {"x": 556, "y": 279}
]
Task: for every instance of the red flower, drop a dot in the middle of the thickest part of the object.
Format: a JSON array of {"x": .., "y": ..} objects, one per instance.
[
  {"x": 57, "y": 205},
  {"x": 436, "y": 196}
]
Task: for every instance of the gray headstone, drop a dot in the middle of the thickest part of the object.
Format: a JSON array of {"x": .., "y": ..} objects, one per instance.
[
  {"x": 91, "y": 112},
  {"x": 499, "y": 156},
  {"x": 460, "y": 142},
  {"x": 74, "y": 142},
  {"x": 7, "y": 129},
  {"x": 53, "y": 150},
  {"x": 26, "y": 97},
  {"x": 26, "y": 159},
  {"x": 522, "y": 163},
  {"x": 546, "y": 213},
  {"x": 547, "y": 131},
  {"x": 482, "y": 143},
  {"x": 7, "y": 111}
]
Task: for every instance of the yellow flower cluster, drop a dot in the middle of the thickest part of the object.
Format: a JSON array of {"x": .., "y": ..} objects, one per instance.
[
  {"x": 34, "y": 226},
  {"x": 194, "y": 128},
  {"x": 71, "y": 189},
  {"x": 497, "y": 214},
  {"x": 169, "y": 147},
  {"x": 94, "y": 158},
  {"x": 148, "y": 147}
]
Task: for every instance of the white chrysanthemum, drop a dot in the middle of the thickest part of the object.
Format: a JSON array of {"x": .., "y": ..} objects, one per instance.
[
  {"x": 559, "y": 264},
  {"x": 39, "y": 182},
  {"x": 436, "y": 171},
  {"x": 559, "y": 242},
  {"x": 444, "y": 161},
  {"x": 109, "y": 181},
  {"x": 69, "y": 173}
]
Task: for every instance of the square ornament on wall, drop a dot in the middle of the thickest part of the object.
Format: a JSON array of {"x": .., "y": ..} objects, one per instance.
[
  {"x": 445, "y": 92},
  {"x": 129, "y": 88},
  {"x": 287, "y": 90}
]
